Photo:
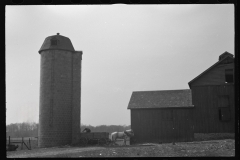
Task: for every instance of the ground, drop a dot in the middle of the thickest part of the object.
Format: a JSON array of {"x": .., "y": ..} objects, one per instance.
[{"x": 211, "y": 148}]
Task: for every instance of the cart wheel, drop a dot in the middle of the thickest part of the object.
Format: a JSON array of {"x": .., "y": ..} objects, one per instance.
[
  {"x": 102, "y": 141},
  {"x": 83, "y": 141}
]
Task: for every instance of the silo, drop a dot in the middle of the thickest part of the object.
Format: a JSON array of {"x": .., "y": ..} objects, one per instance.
[{"x": 60, "y": 92}]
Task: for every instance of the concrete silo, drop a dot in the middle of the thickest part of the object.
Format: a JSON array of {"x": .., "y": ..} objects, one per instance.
[{"x": 60, "y": 92}]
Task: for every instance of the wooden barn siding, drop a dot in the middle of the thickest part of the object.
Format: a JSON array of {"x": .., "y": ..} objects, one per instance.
[
  {"x": 154, "y": 125},
  {"x": 215, "y": 76},
  {"x": 206, "y": 116}
]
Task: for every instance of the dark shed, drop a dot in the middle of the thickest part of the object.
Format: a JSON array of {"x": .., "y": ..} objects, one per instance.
[
  {"x": 213, "y": 97},
  {"x": 162, "y": 116}
]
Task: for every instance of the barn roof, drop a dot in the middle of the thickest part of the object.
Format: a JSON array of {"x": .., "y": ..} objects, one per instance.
[
  {"x": 222, "y": 57},
  {"x": 161, "y": 99}
]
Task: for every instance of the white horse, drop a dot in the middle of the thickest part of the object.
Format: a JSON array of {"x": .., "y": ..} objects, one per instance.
[{"x": 121, "y": 135}]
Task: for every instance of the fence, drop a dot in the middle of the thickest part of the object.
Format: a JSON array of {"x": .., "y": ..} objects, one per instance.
[{"x": 19, "y": 141}]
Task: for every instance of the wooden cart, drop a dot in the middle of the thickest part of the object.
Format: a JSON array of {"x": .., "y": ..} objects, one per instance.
[{"x": 101, "y": 138}]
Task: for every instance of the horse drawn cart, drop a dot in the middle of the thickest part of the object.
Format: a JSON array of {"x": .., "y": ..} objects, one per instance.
[{"x": 101, "y": 138}]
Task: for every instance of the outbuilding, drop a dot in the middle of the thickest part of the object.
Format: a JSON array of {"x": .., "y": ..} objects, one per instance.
[{"x": 162, "y": 116}]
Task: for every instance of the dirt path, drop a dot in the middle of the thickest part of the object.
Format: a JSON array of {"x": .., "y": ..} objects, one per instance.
[
  {"x": 49, "y": 152},
  {"x": 214, "y": 148}
]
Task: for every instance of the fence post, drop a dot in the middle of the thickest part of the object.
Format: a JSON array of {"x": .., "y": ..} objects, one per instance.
[
  {"x": 29, "y": 143},
  {"x": 37, "y": 140},
  {"x": 22, "y": 143},
  {"x": 174, "y": 128}
]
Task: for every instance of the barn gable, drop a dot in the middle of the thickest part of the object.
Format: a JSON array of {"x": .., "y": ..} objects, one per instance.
[
  {"x": 161, "y": 99},
  {"x": 213, "y": 97},
  {"x": 215, "y": 74}
]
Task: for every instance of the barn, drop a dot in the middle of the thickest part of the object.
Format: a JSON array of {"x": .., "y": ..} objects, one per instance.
[
  {"x": 213, "y": 97},
  {"x": 175, "y": 115},
  {"x": 162, "y": 116}
]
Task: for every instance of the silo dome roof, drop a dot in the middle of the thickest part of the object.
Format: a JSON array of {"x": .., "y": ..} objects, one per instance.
[{"x": 57, "y": 42}]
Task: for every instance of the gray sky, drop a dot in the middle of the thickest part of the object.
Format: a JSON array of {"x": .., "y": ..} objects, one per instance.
[{"x": 125, "y": 48}]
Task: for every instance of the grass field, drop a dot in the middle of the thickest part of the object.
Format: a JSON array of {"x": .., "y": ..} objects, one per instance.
[
  {"x": 213, "y": 136},
  {"x": 197, "y": 137},
  {"x": 210, "y": 148}
]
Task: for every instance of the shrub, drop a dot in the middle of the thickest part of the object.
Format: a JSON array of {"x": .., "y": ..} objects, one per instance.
[{"x": 213, "y": 136}]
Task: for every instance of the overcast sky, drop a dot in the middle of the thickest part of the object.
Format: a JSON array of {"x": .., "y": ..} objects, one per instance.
[{"x": 125, "y": 48}]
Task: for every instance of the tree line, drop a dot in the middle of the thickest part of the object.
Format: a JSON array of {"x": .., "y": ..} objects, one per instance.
[{"x": 26, "y": 129}]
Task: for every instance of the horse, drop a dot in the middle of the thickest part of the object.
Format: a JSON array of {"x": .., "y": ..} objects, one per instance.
[
  {"x": 121, "y": 135},
  {"x": 86, "y": 130}
]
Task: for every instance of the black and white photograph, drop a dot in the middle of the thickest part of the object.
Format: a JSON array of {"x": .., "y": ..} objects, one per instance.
[{"x": 120, "y": 80}]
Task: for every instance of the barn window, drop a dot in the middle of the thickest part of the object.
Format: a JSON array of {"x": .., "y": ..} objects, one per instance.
[
  {"x": 224, "y": 114},
  {"x": 224, "y": 108},
  {"x": 229, "y": 76},
  {"x": 54, "y": 42}
]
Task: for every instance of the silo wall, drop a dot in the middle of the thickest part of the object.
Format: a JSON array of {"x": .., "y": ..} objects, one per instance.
[
  {"x": 59, "y": 98},
  {"x": 76, "y": 90}
]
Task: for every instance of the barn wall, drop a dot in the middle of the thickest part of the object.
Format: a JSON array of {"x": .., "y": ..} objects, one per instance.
[
  {"x": 206, "y": 113},
  {"x": 214, "y": 76},
  {"x": 162, "y": 125}
]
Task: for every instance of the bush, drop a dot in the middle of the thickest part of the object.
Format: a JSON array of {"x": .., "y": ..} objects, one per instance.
[{"x": 213, "y": 136}]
